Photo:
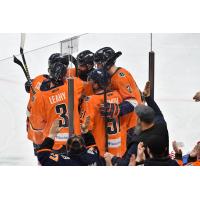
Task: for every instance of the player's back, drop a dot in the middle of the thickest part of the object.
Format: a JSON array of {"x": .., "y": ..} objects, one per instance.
[{"x": 52, "y": 104}]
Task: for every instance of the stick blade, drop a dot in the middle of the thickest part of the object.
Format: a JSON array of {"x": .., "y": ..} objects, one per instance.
[{"x": 17, "y": 61}]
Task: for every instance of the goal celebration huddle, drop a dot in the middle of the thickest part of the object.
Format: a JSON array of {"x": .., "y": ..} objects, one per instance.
[{"x": 94, "y": 114}]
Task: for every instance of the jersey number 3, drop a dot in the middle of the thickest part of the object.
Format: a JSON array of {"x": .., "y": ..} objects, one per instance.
[{"x": 62, "y": 111}]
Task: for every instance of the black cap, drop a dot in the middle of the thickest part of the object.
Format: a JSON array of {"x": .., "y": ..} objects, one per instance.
[
  {"x": 75, "y": 144},
  {"x": 145, "y": 113},
  {"x": 157, "y": 145}
]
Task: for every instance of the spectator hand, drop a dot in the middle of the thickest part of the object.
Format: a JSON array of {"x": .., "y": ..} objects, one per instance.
[
  {"x": 197, "y": 97},
  {"x": 108, "y": 157},
  {"x": 54, "y": 130},
  {"x": 28, "y": 86},
  {"x": 132, "y": 161},
  {"x": 140, "y": 152},
  {"x": 85, "y": 125},
  {"x": 194, "y": 151},
  {"x": 147, "y": 89},
  {"x": 176, "y": 149},
  {"x": 111, "y": 110}
]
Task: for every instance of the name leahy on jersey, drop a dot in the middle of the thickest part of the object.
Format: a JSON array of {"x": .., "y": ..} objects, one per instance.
[{"x": 51, "y": 104}]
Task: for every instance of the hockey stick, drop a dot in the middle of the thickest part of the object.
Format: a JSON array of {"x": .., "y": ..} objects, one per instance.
[
  {"x": 74, "y": 61},
  {"x": 109, "y": 62},
  {"x": 22, "y": 53},
  {"x": 68, "y": 47},
  {"x": 71, "y": 96},
  {"x": 18, "y": 62},
  {"x": 24, "y": 60}
]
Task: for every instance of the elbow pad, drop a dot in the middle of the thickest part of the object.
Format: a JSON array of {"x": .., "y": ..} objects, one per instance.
[{"x": 127, "y": 106}]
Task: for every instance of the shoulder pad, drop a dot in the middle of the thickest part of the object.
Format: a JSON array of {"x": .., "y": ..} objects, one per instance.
[
  {"x": 45, "y": 85},
  {"x": 46, "y": 76}
]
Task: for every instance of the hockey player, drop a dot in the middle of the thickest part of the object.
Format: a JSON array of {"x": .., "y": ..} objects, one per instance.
[
  {"x": 36, "y": 83},
  {"x": 150, "y": 122},
  {"x": 124, "y": 83},
  {"x": 84, "y": 64},
  {"x": 51, "y": 103},
  {"x": 90, "y": 111},
  {"x": 85, "y": 61},
  {"x": 75, "y": 153}
]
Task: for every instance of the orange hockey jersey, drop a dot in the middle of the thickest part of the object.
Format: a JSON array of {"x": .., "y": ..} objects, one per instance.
[
  {"x": 50, "y": 105},
  {"x": 90, "y": 109},
  {"x": 36, "y": 83},
  {"x": 123, "y": 82}
]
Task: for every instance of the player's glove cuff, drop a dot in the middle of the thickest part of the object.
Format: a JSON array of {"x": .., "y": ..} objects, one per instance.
[
  {"x": 28, "y": 86},
  {"x": 89, "y": 139}
]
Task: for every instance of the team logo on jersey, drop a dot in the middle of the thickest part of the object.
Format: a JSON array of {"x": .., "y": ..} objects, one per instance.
[
  {"x": 65, "y": 157},
  {"x": 93, "y": 164},
  {"x": 90, "y": 151},
  {"x": 121, "y": 74},
  {"x": 54, "y": 157},
  {"x": 128, "y": 87}
]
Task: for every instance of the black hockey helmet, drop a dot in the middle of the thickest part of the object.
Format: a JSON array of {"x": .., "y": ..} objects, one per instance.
[
  {"x": 86, "y": 58},
  {"x": 75, "y": 144},
  {"x": 57, "y": 72},
  {"x": 99, "y": 76},
  {"x": 57, "y": 57},
  {"x": 103, "y": 54}
]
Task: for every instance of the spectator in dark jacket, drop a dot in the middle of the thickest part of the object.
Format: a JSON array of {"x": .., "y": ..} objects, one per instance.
[
  {"x": 151, "y": 122},
  {"x": 155, "y": 148}
]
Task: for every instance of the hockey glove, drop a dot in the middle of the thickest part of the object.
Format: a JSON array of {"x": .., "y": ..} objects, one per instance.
[
  {"x": 28, "y": 86},
  {"x": 89, "y": 139},
  {"x": 111, "y": 110}
]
